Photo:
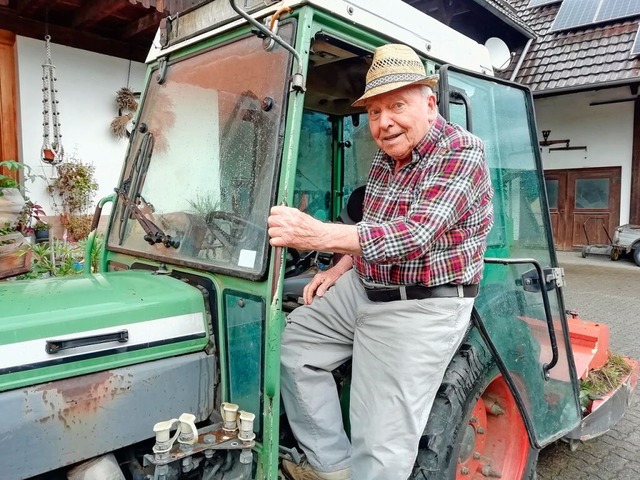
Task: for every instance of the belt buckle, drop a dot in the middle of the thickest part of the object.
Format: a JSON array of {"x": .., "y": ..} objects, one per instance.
[{"x": 403, "y": 292}]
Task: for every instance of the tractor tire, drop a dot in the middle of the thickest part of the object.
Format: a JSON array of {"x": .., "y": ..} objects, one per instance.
[{"x": 475, "y": 430}]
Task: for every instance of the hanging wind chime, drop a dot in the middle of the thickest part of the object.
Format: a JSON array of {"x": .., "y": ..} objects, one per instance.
[{"x": 52, "y": 151}]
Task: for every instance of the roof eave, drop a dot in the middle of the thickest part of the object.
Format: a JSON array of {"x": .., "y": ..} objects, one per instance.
[
  {"x": 552, "y": 92},
  {"x": 520, "y": 27}
]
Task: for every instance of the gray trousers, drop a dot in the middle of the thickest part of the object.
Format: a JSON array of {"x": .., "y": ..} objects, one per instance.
[{"x": 400, "y": 351}]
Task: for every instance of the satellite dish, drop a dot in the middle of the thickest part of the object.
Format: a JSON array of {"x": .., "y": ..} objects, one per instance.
[{"x": 499, "y": 53}]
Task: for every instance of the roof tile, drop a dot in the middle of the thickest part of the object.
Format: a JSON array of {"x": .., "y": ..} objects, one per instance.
[{"x": 589, "y": 55}]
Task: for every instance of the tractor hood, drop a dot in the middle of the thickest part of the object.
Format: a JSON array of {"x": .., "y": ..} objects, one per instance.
[{"x": 63, "y": 327}]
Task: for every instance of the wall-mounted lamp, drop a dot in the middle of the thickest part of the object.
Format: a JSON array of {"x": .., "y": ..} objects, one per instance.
[{"x": 547, "y": 143}]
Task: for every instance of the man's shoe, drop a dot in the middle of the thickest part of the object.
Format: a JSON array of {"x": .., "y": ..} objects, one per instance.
[{"x": 304, "y": 471}]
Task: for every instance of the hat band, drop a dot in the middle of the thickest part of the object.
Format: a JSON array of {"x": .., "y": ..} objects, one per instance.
[{"x": 393, "y": 78}]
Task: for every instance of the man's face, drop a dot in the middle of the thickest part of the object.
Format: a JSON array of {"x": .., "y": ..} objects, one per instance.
[{"x": 400, "y": 119}]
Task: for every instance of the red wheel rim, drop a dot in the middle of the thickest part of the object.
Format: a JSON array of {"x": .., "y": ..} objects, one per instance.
[{"x": 495, "y": 443}]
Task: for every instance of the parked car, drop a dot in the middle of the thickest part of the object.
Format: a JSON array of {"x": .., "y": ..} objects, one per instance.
[{"x": 626, "y": 239}]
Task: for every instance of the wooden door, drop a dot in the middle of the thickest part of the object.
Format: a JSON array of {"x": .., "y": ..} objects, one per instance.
[
  {"x": 586, "y": 206},
  {"x": 8, "y": 101},
  {"x": 556, "y": 192}
]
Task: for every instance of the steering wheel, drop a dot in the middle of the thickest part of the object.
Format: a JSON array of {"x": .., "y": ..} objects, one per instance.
[
  {"x": 295, "y": 263},
  {"x": 230, "y": 240}
]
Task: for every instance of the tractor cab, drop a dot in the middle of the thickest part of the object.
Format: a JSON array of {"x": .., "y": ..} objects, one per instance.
[{"x": 249, "y": 107}]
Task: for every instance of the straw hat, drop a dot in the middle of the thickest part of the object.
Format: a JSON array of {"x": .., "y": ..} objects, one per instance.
[{"x": 394, "y": 66}]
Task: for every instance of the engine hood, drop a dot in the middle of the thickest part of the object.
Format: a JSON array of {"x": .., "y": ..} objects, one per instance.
[{"x": 62, "y": 327}]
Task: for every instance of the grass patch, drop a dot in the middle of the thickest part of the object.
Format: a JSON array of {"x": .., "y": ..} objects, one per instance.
[{"x": 604, "y": 379}]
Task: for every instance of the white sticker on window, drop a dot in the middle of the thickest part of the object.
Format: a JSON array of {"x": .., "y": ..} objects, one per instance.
[{"x": 247, "y": 258}]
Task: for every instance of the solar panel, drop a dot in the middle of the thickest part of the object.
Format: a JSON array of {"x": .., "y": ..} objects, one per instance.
[
  {"x": 575, "y": 13},
  {"x": 541, "y": 3},
  {"x": 614, "y": 9},
  {"x": 579, "y": 13},
  {"x": 635, "y": 50}
]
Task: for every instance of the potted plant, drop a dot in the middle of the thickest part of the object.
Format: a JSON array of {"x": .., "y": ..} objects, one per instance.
[
  {"x": 54, "y": 259},
  {"x": 16, "y": 217},
  {"x": 41, "y": 230},
  {"x": 31, "y": 214},
  {"x": 73, "y": 191}
]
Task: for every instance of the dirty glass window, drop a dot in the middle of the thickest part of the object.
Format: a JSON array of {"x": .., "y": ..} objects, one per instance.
[
  {"x": 515, "y": 317},
  {"x": 314, "y": 169},
  {"x": 359, "y": 155},
  {"x": 201, "y": 166},
  {"x": 552, "y": 192},
  {"x": 592, "y": 193}
]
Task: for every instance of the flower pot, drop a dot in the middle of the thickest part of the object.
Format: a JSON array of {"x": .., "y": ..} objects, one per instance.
[
  {"x": 42, "y": 235},
  {"x": 13, "y": 261}
]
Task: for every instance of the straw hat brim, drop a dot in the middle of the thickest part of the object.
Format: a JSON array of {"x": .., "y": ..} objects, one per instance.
[{"x": 430, "y": 81}]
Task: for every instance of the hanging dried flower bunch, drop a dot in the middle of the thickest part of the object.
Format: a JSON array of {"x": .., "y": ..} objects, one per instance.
[
  {"x": 119, "y": 125},
  {"x": 126, "y": 101}
]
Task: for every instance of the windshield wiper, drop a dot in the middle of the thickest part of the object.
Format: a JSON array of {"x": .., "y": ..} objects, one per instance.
[
  {"x": 132, "y": 185},
  {"x": 153, "y": 233}
]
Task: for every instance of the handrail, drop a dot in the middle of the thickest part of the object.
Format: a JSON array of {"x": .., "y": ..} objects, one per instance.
[
  {"x": 545, "y": 301},
  {"x": 91, "y": 239},
  {"x": 297, "y": 84}
]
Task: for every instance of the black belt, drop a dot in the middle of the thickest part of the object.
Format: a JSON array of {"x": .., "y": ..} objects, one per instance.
[{"x": 416, "y": 292}]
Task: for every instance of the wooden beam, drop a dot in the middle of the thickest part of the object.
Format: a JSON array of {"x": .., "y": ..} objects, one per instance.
[
  {"x": 143, "y": 24},
  {"x": 30, "y": 6},
  {"x": 72, "y": 37},
  {"x": 167, "y": 6},
  {"x": 144, "y": 3},
  {"x": 173, "y": 6},
  {"x": 92, "y": 11}
]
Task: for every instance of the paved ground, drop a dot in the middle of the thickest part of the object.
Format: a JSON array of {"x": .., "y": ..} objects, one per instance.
[{"x": 605, "y": 291}]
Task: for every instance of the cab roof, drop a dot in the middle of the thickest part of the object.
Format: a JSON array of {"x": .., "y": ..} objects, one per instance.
[{"x": 392, "y": 18}]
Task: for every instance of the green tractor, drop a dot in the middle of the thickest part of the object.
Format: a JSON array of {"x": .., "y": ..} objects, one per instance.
[{"x": 164, "y": 363}]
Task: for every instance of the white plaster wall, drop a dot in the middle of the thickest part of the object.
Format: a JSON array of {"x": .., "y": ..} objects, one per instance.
[
  {"x": 606, "y": 131},
  {"x": 87, "y": 84}
]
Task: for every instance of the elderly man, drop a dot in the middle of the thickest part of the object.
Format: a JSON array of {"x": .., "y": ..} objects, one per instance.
[{"x": 402, "y": 294}]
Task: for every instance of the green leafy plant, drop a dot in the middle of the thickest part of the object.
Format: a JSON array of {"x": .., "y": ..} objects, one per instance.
[
  {"x": 604, "y": 379},
  {"x": 8, "y": 182},
  {"x": 41, "y": 226},
  {"x": 204, "y": 204},
  {"x": 31, "y": 215},
  {"x": 95, "y": 251},
  {"x": 5, "y": 180},
  {"x": 56, "y": 259},
  {"x": 31, "y": 212},
  {"x": 7, "y": 228}
]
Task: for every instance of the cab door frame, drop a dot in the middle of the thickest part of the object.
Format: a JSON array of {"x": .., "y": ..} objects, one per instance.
[{"x": 558, "y": 358}]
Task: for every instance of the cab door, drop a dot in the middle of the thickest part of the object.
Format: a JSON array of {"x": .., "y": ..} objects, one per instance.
[{"x": 520, "y": 317}]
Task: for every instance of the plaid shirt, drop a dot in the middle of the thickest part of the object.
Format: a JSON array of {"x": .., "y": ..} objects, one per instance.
[{"x": 428, "y": 223}]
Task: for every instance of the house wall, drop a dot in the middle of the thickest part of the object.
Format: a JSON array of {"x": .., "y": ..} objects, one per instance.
[
  {"x": 87, "y": 84},
  {"x": 606, "y": 131}
]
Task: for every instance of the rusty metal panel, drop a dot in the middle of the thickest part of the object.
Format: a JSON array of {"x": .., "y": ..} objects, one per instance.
[
  {"x": 209, "y": 16},
  {"x": 81, "y": 417}
]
